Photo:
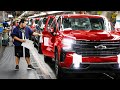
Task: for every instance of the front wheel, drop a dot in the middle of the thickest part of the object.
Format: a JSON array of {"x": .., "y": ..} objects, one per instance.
[
  {"x": 39, "y": 49},
  {"x": 47, "y": 59},
  {"x": 58, "y": 71}
]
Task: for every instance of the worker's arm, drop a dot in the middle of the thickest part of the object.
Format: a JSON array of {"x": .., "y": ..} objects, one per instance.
[
  {"x": 33, "y": 33},
  {"x": 37, "y": 34},
  {"x": 18, "y": 39}
]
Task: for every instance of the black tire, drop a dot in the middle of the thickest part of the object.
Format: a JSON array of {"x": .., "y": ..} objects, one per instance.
[
  {"x": 33, "y": 39},
  {"x": 34, "y": 44},
  {"x": 58, "y": 70},
  {"x": 39, "y": 49},
  {"x": 47, "y": 59}
]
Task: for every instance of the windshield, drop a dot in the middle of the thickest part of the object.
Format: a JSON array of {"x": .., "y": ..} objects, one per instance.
[{"x": 83, "y": 23}]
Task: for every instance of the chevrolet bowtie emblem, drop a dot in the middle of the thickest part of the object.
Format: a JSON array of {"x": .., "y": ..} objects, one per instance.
[{"x": 100, "y": 47}]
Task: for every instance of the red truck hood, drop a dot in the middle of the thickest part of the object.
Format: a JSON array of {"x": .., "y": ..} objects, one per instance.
[{"x": 90, "y": 35}]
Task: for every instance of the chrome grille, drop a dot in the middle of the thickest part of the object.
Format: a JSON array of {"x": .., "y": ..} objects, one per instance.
[{"x": 97, "y": 48}]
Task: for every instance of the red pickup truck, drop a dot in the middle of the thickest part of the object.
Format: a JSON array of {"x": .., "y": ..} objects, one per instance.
[{"x": 80, "y": 43}]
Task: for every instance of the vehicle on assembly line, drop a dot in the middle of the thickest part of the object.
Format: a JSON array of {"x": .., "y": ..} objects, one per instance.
[
  {"x": 39, "y": 28},
  {"x": 80, "y": 43}
]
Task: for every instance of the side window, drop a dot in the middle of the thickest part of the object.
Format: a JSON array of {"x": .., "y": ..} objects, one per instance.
[
  {"x": 44, "y": 20},
  {"x": 49, "y": 23},
  {"x": 53, "y": 25},
  {"x": 36, "y": 21},
  {"x": 59, "y": 22}
]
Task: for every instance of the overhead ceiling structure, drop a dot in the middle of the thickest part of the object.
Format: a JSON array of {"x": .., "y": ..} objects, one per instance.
[
  {"x": 45, "y": 13},
  {"x": 20, "y": 14},
  {"x": 23, "y": 14},
  {"x": 28, "y": 13},
  {"x": 32, "y": 14},
  {"x": 15, "y": 13}
]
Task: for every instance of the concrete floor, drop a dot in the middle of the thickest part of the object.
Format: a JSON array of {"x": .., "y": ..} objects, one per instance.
[{"x": 7, "y": 65}]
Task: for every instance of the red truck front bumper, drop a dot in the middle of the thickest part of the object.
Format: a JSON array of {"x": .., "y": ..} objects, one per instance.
[{"x": 93, "y": 68}]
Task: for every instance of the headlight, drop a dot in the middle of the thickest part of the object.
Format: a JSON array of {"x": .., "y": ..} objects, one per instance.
[
  {"x": 67, "y": 44},
  {"x": 118, "y": 60}
]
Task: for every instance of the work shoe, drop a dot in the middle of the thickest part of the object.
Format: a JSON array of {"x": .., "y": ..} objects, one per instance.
[
  {"x": 30, "y": 67},
  {"x": 16, "y": 67}
]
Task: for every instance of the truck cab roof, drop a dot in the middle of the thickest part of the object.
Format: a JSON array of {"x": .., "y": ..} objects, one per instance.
[{"x": 81, "y": 15}]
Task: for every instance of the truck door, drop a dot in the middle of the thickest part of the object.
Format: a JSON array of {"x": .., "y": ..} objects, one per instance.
[
  {"x": 52, "y": 30},
  {"x": 48, "y": 38}
]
